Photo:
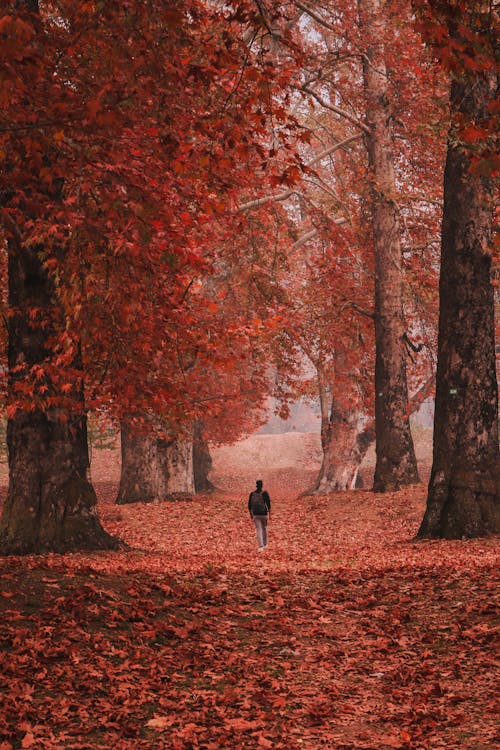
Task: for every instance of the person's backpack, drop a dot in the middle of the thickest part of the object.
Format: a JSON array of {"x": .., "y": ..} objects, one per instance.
[{"x": 258, "y": 504}]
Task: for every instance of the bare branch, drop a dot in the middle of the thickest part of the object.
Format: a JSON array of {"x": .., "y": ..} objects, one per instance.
[
  {"x": 305, "y": 238},
  {"x": 287, "y": 193},
  {"x": 312, "y": 233},
  {"x": 358, "y": 308},
  {"x": 331, "y": 149},
  {"x": 414, "y": 347},
  {"x": 337, "y": 110},
  {"x": 265, "y": 199},
  {"x": 312, "y": 14}
]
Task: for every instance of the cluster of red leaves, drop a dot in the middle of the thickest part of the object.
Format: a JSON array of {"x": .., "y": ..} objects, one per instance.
[
  {"x": 345, "y": 634},
  {"x": 129, "y": 132}
]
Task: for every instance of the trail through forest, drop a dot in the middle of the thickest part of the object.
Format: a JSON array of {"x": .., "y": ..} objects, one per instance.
[{"x": 345, "y": 634}]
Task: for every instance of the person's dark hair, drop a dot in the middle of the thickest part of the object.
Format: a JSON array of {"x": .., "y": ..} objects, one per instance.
[{"x": 259, "y": 483}]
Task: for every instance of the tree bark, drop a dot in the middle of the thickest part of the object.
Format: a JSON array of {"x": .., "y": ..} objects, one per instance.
[
  {"x": 345, "y": 444},
  {"x": 51, "y": 504},
  {"x": 153, "y": 468},
  {"x": 180, "y": 468},
  {"x": 202, "y": 462},
  {"x": 144, "y": 469},
  {"x": 396, "y": 464},
  {"x": 344, "y": 448},
  {"x": 464, "y": 487},
  {"x": 343, "y": 441}
]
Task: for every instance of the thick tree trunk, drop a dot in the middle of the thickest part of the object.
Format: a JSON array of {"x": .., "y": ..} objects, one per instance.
[
  {"x": 153, "y": 469},
  {"x": 344, "y": 447},
  {"x": 202, "y": 462},
  {"x": 396, "y": 464},
  {"x": 144, "y": 468},
  {"x": 180, "y": 468},
  {"x": 50, "y": 504},
  {"x": 343, "y": 441},
  {"x": 464, "y": 488}
]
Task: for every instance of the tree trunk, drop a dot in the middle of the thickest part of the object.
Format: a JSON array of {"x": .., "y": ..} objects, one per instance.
[
  {"x": 344, "y": 448},
  {"x": 345, "y": 445},
  {"x": 180, "y": 468},
  {"x": 153, "y": 469},
  {"x": 396, "y": 464},
  {"x": 464, "y": 487},
  {"x": 144, "y": 469},
  {"x": 51, "y": 505},
  {"x": 202, "y": 462}
]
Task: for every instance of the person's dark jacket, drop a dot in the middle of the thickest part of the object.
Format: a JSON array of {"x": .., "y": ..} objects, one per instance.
[{"x": 265, "y": 497}]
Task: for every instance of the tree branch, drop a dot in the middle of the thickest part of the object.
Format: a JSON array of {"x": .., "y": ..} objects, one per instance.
[
  {"x": 265, "y": 199},
  {"x": 358, "y": 308},
  {"x": 287, "y": 193},
  {"x": 312, "y": 233},
  {"x": 337, "y": 110},
  {"x": 312, "y": 14},
  {"x": 331, "y": 149},
  {"x": 414, "y": 347}
]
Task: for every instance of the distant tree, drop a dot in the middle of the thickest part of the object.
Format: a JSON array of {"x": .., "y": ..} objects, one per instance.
[
  {"x": 202, "y": 460},
  {"x": 382, "y": 141},
  {"x": 154, "y": 465},
  {"x": 396, "y": 462}
]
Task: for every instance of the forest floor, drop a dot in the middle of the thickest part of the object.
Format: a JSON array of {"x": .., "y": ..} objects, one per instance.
[{"x": 344, "y": 634}]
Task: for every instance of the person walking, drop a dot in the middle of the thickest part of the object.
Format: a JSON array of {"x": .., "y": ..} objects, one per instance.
[{"x": 259, "y": 507}]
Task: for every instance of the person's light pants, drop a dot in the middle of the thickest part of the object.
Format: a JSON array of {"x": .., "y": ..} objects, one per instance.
[{"x": 261, "y": 528}]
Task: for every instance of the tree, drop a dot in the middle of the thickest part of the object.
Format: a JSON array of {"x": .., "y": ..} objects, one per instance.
[
  {"x": 329, "y": 329},
  {"x": 50, "y": 503},
  {"x": 396, "y": 464},
  {"x": 332, "y": 77},
  {"x": 222, "y": 365},
  {"x": 154, "y": 466},
  {"x": 105, "y": 210},
  {"x": 464, "y": 489},
  {"x": 202, "y": 460}
]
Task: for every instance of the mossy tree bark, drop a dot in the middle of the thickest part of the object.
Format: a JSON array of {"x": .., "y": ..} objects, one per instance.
[
  {"x": 464, "y": 487},
  {"x": 396, "y": 464}
]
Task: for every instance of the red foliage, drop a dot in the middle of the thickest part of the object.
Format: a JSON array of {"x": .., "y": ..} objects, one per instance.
[
  {"x": 463, "y": 35},
  {"x": 127, "y": 135},
  {"x": 345, "y": 633}
]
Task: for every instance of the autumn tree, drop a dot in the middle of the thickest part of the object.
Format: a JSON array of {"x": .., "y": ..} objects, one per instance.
[
  {"x": 103, "y": 209},
  {"x": 166, "y": 454},
  {"x": 217, "y": 369},
  {"x": 339, "y": 44},
  {"x": 329, "y": 330},
  {"x": 329, "y": 211},
  {"x": 396, "y": 462},
  {"x": 50, "y": 502},
  {"x": 464, "y": 488}
]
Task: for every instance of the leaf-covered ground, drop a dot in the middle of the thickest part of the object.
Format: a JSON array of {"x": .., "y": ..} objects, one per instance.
[{"x": 345, "y": 634}]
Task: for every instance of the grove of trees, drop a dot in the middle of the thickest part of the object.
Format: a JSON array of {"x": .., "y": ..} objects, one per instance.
[{"x": 203, "y": 204}]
